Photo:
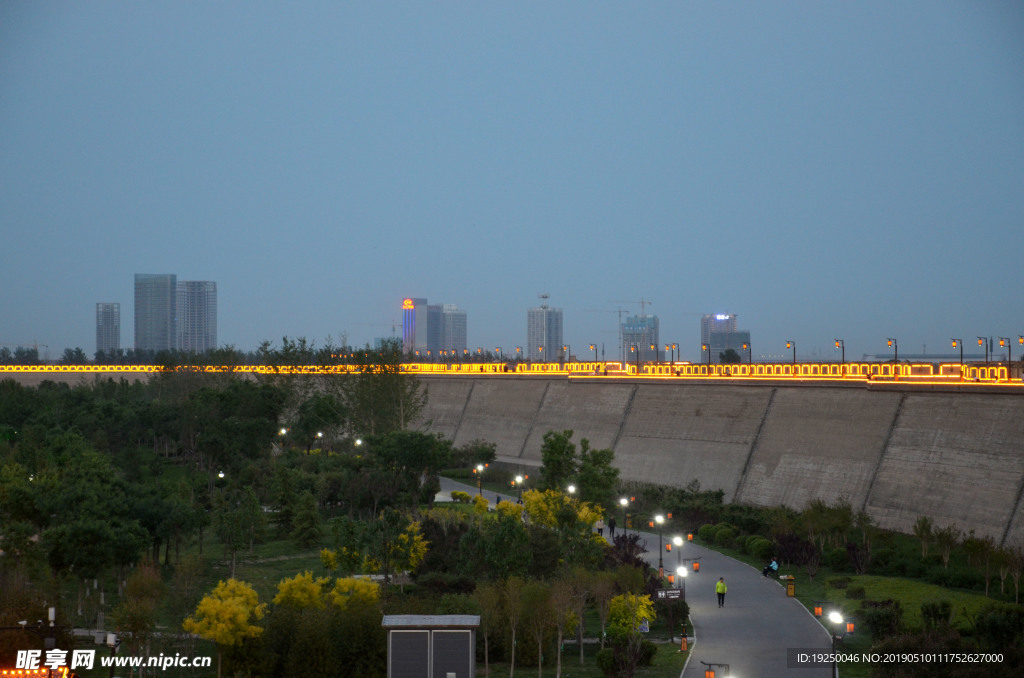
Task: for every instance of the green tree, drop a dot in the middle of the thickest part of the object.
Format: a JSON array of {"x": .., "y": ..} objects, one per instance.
[
  {"x": 923, "y": 530},
  {"x": 307, "y": 525},
  {"x": 558, "y": 460},
  {"x": 135, "y": 616},
  {"x": 946, "y": 539},
  {"x": 488, "y": 598},
  {"x": 380, "y": 397},
  {"x": 730, "y": 357},
  {"x": 538, "y": 616},
  {"x": 512, "y": 595},
  {"x": 597, "y": 476}
]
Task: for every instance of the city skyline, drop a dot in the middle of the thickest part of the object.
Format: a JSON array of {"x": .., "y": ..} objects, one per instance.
[{"x": 823, "y": 171}]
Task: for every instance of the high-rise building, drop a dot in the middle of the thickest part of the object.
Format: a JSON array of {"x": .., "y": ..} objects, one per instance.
[
  {"x": 108, "y": 327},
  {"x": 719, "y": 333},
  {"x": 156, "y": 296},
  {"x": 639, "y": 333},
  {"x": 544, "y": 333},
  {"x": 414, "y": 326},
  {"x": 453, "y": 336},
  {"x": 429, "y": 329},
  {"x": 197, "y": 316}
]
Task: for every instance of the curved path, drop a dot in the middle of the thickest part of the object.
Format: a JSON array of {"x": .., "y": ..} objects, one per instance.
[{"x": 755, "y": 628}]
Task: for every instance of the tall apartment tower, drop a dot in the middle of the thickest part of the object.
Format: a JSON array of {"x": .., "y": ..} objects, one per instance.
[
  {"x": 544, "y": 332},
  {"x": 197, "y": 315},
  {"x": 108, "y": 327},
  {"x": 719, "y": 333},
  {"x": 414, "y": 326},
  {"x": 156, "y": 297},
  {"x": 639, "y": 333},
  {"x": 453, "y": 334}
]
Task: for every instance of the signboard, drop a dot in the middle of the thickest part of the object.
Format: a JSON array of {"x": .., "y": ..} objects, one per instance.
[{"x": 669, "y": 594}]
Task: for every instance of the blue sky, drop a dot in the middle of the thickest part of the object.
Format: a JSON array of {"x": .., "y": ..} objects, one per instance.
[{"x": 821, "y": 169}]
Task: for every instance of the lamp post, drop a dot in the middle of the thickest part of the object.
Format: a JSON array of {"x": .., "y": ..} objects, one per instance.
[
  {"x": 841, "y": 345},
  {"x": 519, "y": 353},
  {"x": 479, "y": 471},
  {"x": 544, "y": 358},
  {"x": 566, "y": 353},
  {"x": 958, "y": 342},
  {"x": 571, "y": 490},
  {"x": 837, "y": 635},
  {"x": 623, "y": 502},
  {"x": 792, "y": 345},
  {"x": 682, "y": 573},
  {"x": 983, "y": 341},
  {"x": 706, "y": 347},
  {"x": 660, "y": 520},
  {"x": 518, "y": 482},
  {"x": 593, "y": 347},
  {"x": 895, "y": 359},
  {"x": 1005, "y": 341},
  {"x": 750, "y": 359},
  {"x": 497, "y": 349}
]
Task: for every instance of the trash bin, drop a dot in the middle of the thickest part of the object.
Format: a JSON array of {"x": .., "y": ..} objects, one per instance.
[{"x": 790, "y": 584}]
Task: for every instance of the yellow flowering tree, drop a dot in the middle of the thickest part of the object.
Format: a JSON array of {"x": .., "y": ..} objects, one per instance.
[
  {"x": 507, "y": 508},
  {"x": 301, "y": 591},
  {"x": 227, "y": 616},
  {"x": 351, "y": 591}
]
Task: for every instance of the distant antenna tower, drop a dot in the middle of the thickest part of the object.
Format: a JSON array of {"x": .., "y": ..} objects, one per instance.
[{"x": 543, "y": 296}]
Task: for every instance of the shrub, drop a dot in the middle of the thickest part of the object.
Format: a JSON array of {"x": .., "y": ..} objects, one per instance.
[
  {"x": 856, "y": 593},
  {"x": 882, "y": 618},
  {"x": 746, "y": 543},
  {"x": 461, "y": 497},
  {"x": 762, "y": 549},
  {"x": 937, "y": 614},
  {"x": 706, "y": 533},
  {"x": 606, "y": 662},
  {"x": 838, "y": 582},
  {"x": 838, "y": 559},
  {"x": 724, "y": 537}
]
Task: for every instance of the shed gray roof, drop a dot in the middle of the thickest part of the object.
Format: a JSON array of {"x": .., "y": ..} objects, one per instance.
[{"x": 430, "y": 621}]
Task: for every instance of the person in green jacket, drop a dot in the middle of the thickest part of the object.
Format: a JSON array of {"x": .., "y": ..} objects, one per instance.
[{"x": 720, "y": 589}]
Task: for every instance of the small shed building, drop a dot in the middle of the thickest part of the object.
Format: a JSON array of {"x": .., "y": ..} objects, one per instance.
[{"x": 431, "y": 646}]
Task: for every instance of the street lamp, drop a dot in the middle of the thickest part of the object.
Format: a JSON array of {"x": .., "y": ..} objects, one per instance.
[
  {"x": 837, "y": 635},
  {"x": 682, "y": 572},
  {"x": 750, "y": 359},
  {"x": 497, "y": 349},
  {"x": 960, "y": 343},
  {"x": 660, "y": 520},
  {"x": 706, "y": 347},
  {"x": 518, "y": 483},
  {"x": 1005, "y": 341},
  {"x": 571, "y": 489},
  {"x": 540, "y": 349},
  {"x": 565, "y": 353},
  {"x": 896, "y": 358},
  {"x": 983, "y": 341},
  {"x": 623, "y": 502},
  {"x": 519, "y": 353},
  {"x": 840, "y": 344},
  {"x": 593, "y": 347},
  {"x": 792, "y": 345},
  {"x": 479, "y": 471}
]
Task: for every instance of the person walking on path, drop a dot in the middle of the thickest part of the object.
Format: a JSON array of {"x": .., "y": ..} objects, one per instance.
[
  {"x": 600, "y": 527},
  {"x": 720, "y": 589},
  {"x": 611, "y": 528}
]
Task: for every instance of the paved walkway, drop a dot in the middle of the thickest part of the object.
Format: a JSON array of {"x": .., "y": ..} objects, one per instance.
[{"x": 754, "y": 629}]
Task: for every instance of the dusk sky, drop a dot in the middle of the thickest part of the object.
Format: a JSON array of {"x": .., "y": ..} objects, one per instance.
[{"x": 821, "y": 169}]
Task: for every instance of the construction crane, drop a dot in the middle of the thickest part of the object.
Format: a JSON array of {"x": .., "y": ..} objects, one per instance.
[{"x": 643, "y": 302}]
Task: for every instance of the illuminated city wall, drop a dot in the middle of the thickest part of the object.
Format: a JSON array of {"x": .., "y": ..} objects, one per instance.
[{"x": 897, "y": 441}]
